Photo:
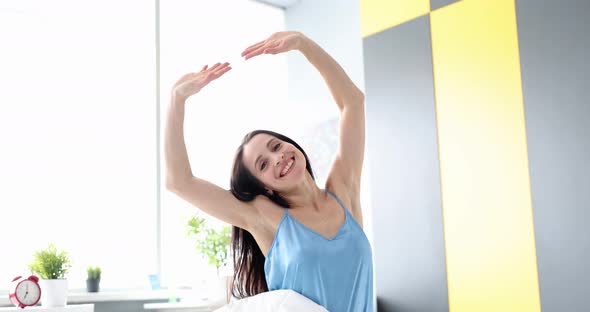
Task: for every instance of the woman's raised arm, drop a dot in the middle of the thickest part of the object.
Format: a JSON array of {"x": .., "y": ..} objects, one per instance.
[
  {"x": 204, "y": 195},
  {"x": 178, "y": 169},
  {"x": 347, "y": 165}
]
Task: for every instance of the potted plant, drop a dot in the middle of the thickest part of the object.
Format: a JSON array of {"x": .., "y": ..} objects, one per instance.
[
  {"x": 52, "y": 266},
  {"x": 213, "y": 245},
  {"x": 93, "y": 281}
]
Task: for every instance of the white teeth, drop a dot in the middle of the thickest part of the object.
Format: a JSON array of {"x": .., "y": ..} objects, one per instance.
[{"x": 287, "y": 167}]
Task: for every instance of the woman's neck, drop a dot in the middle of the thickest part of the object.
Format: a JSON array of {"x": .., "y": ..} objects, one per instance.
[{"x": 307, "y": 194}]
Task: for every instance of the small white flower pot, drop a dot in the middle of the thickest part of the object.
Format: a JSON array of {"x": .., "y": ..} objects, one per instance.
[{"x": 54, "y": 293}]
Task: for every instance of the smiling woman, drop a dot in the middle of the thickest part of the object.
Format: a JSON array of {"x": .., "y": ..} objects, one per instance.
[
  {"x": 278, "y": 155},
  {"x": 287, "y": 232}
]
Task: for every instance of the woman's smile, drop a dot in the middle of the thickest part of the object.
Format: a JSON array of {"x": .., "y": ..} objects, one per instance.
[{"x": 288, "y": 167}]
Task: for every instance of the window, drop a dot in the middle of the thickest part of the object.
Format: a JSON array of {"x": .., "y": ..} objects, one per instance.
[
  {"x": 77, "y": 136},
  {"x": 78, "y": 128}
]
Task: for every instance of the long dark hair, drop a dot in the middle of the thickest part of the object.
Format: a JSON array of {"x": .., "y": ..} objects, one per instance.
[{"x": 249, "y": 278}]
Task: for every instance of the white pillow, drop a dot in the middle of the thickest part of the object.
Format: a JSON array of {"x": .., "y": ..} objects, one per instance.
[{"x": 282, "y": 300}]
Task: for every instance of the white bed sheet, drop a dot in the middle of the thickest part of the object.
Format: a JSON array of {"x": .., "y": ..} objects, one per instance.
[{"x": 283, "y": 300}]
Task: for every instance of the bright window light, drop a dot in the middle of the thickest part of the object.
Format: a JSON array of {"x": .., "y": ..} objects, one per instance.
[
  {"x": 77, "y": 137},
  {"x": 78, "y": 124}
]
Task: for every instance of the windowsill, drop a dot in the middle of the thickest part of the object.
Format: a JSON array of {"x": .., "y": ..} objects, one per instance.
[
  {"x": 190, "y": 305},
  {"x": 122, "y": 295}
]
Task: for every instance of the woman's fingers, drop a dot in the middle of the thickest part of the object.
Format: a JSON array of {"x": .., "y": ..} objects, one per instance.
[
  {"x": 192, "y": 83},
  {"x": 217, "y": 67},
  {"x": 222, "y": 67},
  {"x": 252, "y": 47},
  {"x": 222, "y": 71},
  {"x": 217, "y": 71},
  {"x": 255, "y": 52},
  {"x": 214, "y": 67},
  {"x": 272, "y": 47}
]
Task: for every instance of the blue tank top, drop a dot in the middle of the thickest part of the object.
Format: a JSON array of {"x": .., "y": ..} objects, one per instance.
[{"x": 336, "y": 272}]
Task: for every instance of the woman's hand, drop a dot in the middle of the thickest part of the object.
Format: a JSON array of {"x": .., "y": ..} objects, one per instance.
[
  {"x": 192, "y": 83},
  {"x": 277, "y": 43}
]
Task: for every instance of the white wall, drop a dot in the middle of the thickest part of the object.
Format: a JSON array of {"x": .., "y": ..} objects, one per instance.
[{"x": 335, "y": 26}]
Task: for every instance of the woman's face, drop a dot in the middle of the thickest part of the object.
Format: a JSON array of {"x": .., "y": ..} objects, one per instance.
[{"x": 277, "y": 164}]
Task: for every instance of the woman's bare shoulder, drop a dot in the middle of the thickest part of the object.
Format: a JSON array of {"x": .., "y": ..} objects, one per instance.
[{"x": 270, "y": 216}]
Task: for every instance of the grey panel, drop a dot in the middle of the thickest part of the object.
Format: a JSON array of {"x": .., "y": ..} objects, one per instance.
[
  {"x": 554, "y": 45},
  {"x": 437, "y": 4},
  {"x": 410, "y": 266}
]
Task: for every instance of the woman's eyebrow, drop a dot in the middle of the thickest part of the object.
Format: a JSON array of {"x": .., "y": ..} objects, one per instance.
[{"x": 267, "y": 146}]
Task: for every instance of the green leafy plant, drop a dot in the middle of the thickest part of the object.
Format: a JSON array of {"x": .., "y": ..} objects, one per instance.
[
  {"x": 50, "y": 263},
  {"x": 93, "y": 272},
  {"x": 211, "y": 244}
]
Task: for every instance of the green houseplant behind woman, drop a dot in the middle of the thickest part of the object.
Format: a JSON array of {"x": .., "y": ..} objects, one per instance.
[{"x": 52, "y": 266}]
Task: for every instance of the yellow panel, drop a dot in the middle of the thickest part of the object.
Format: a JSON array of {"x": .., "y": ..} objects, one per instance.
[
  {"x": 378, "y": 15},
  {"x": 485, "y": 184}
]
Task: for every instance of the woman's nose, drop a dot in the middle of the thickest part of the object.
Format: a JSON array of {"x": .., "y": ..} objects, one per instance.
[{"x": 280, "y": 158}]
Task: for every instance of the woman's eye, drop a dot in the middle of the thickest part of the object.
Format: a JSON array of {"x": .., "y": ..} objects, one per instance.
[
  {"x": 263, "y": 166},
  {"x": 277, "y": 146}
]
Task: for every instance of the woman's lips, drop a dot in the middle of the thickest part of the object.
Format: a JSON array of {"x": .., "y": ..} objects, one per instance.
[{"x": 290, "y": 168}]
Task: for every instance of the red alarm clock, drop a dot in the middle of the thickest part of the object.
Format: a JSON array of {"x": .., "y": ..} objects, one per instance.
[{"x": 25, "y": 292}]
